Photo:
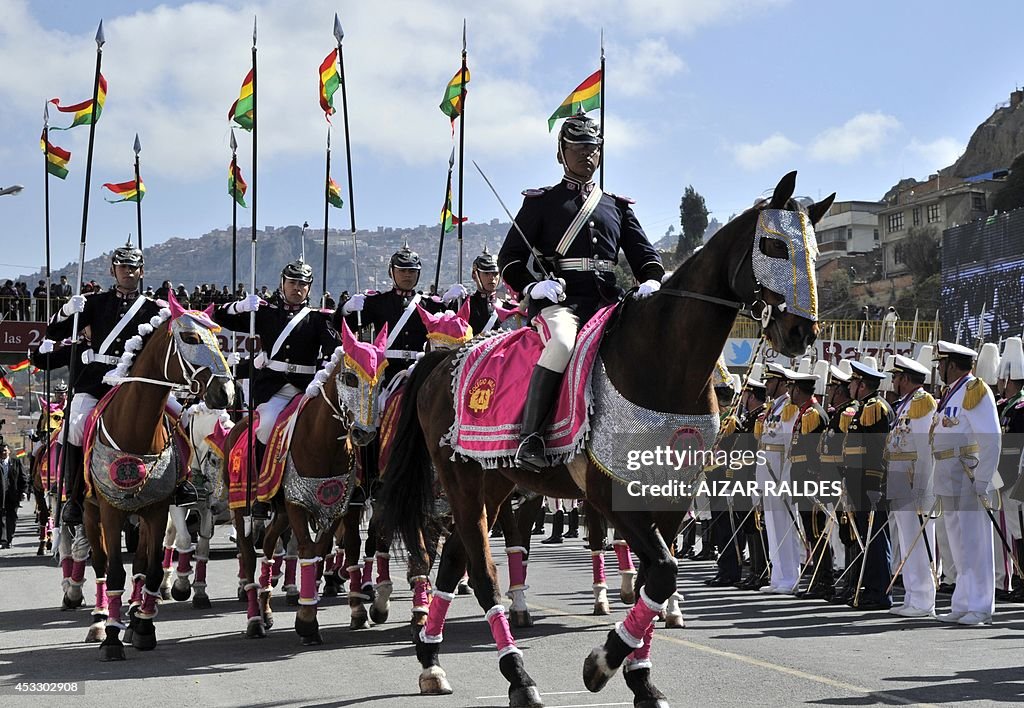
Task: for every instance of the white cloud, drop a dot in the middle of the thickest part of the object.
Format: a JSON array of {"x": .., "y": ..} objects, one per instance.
[
  {"x": 639, "y": 70},
  {"x": 755, "y": 156},
  {"x": 936, "y": 154},
  {"x": 864, "y": 133}
]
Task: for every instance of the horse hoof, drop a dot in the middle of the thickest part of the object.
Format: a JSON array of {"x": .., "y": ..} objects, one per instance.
[
  {"x": 144, "y": 637},
  {"x": 39, "y": 551},
  {"x": 651, "y": 703},
  {"x": 292, "y": 600},
  {"x": 165, "y": 593},
  {"x": 330, "y": 590},
  {"x": 256, "y": 630},
  {"x": 358, "y": 622},
  {"x": 97, "y": 632},
  {"x": 380, "y": 615},
  {"x": 524, "y": 697},
  {"x": 521, "y": 619},
  {"x": 180, "y": 594},
  {"x": 628, "y": 597},
  {"x": 313, "y": 640},
  {"x": 596, "y": 672},
  {"x": 464, "y": 589},
  {"x": 242, "y": 596},
  {"x": 112, "y": 651},
  {"x": 268, "y": 619},
  {"x": 434, "y": 682},
  {"x": 602, "y": 608},
  {"x": 201, "y": 602},
  {"x": 69, "y": 603},
  {"x": 674, "y": 622}
]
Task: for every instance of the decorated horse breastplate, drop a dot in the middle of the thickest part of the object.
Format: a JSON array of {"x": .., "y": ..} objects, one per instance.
[
  {"x": 128, "y": 481},
  {"x": 620, "y": 429},
  {"x": 325, "y": 499}
]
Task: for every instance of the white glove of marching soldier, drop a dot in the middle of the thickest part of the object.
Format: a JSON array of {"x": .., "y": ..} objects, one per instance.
[
  {"x": 75, "y": 304},
  {"x": 648, "y": 288},
  {"x": 250, "y": 303},
  {"x": 354, "y": 304},
  {"x": 553, "y": 290},
  {"x": 46, "y": 346},
  {"x": 455, "y": 292}
]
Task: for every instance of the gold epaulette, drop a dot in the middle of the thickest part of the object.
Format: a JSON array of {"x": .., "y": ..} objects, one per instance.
[
  {"x": 810, "y": 421},
  {"x": 846, "y": 420},
  {"x": 789, "y": 410},
  {"x": 874, "y": 410},
  {"x": 729, "y": 425},
  {"x": 976, "y": 390},
  {"x": 758, "y": 428},
  {"x": 921, "y": 404}
]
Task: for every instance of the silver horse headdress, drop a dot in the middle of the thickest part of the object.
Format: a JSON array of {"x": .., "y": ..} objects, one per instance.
[{"x": 792, "y": 278}]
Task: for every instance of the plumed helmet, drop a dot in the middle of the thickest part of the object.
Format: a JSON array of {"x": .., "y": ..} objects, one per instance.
[
  {"x": 60, "y": 387},
  {"x": 128, "y": 255},
  {"x": 405, "y": 257},
  {"x": 988, "y": 363},
  {"x": 580, "y": 129},
  {"x": 485, "y": 262},
  {"x": 298, "y": 270}
]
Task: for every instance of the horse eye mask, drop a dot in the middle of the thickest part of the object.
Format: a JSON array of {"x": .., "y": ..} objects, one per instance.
[{"x": 793, "y": 278}]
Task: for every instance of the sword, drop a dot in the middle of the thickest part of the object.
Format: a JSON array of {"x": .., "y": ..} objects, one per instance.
[
  {"x": 857, "y": 557},
  {"x": 814, "y": 550},
  {"x": 873, "y": 497},
  {"x": 906, "y": 554},
  {"x": 537, "y": 256},
  {"x": 988, "y": 510}
]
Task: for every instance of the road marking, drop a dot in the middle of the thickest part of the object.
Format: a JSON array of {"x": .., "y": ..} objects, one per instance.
[{"x": 761, "y": 663}]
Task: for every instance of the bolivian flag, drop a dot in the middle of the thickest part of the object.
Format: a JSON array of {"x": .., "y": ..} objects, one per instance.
[
  {"x": 127, "y": 191},
  {"x": 585, "y": 97}
]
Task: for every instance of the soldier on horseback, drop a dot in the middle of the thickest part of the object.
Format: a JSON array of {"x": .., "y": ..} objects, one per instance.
[
  {"x": 295, "y": 339},
  {"x": 576, "y": 231},
  {"x": 484, "y": 315},
  {"x": 114, "y": 317}
]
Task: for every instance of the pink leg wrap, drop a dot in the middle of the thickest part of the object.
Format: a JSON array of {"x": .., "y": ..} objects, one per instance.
[
  {"x": 266, "y": 568},
  {"x": 278, "y": 564},
  {"x": 434, "y": 629},
  {"x": 383, "y": 567},
  {"x": 623, "y": 556},
  {"x": 201, "y": 570},
  {"x": 137, "y": 589},
  {"x": 101, "y": 596},
  {"x": 516, "y": 568},
  {"x": 168, "y": 556},
  {"x": 368, "y": 570},
  {"x": 184, "y": 562},
  {"x": 78, "y": 571},
  {"x": 114, "y": 608},
  {"x": 65, "y": 567},
  {"x": 597, "y": 563},
  {"x": 634, "y": 628},
  {"x": 643, "y": 654},
  {"x": 307, "y": 590},
  {"x": 355, "y": 584},
  {"x": 148, "y": 605},
  {"x": 500, "y": 631},
  {"x": 290, "y": 564},
  {"x": 421, "y": 592},
  {"x": 253, "y": 608}
]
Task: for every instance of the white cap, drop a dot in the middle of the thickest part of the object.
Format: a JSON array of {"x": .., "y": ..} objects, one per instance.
[
  {"x": 775, "y": 370},
  {"x": 900, "y": 363},
  {"x": 822, "y": 371},
  {"x": 1011, "y": 365},
  {"x": 947, "y": 348},
  {"x": 988, "y": 363}
]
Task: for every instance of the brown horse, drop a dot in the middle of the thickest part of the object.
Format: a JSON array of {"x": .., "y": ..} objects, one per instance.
[
  {"x": 44, "y": 477},
  {"x": 133, "y": 464},
  {"x": 319, "y": 476},
  {"x": 659, "y": 355}
]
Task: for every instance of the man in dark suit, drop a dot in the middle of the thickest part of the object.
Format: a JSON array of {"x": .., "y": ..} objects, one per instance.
[{"x": 13, "y": 485}]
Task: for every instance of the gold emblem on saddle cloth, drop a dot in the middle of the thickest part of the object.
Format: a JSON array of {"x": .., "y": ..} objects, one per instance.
[{"x": 480, "y": 394}]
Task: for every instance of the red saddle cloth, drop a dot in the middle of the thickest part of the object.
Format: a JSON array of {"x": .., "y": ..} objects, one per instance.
[
  {"x": 274, "y": 458},
  {"x": 491, "y": 380}
]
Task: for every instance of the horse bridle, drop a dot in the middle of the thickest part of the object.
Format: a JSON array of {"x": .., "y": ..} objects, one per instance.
[{"x": 188, "y": 371}]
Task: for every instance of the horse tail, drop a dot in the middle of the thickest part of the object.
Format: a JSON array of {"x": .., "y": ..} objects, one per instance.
[{"x": 407, "y": 494}]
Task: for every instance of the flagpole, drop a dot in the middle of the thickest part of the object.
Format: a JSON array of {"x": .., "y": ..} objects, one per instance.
[
  {"x": 46, "y": 219},
  {"x": 601, "y": 165},
  {"x": 447, "y": 206},
  {"x": 252, "y": 281},
  {"x": 327, "y": 216},
  {"x": 234, "y": 236},
  {"x": 100, "y": 40},
  {"x": 138, "y": 195},
  {"x": 339, "y": 34},
  {"x": 462, "y": 140}
]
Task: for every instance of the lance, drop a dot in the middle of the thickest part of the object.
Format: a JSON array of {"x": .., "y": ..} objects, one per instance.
[
  {"x": 860, "y": 339},
  {"x": 913, "y": 332},
  {"x": 980, "y": 337},
  {"x": 327, "y": 217},
  {"x": 138, "y": 194},
  {"x": 600, "y": 166},
  {"x": 251, "y": 453},
  {"x": 302, "y": 239},
  {"x": 462, "y": 137},
  {"x": 536, "y": 254},
  {"x": 339, "y": 34},
  {"x": 831, "y": 344},
  {"x": 100, "y": 40},
  {"x": 440, "y": 245},
  {"x": 46, "y": 215},
  {"x": 234, "y": 238}
]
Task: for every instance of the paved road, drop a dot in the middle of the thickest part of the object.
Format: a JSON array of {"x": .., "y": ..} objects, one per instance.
[{"x": 738, "y": 649}]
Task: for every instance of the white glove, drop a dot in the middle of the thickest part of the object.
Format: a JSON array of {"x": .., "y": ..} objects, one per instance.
[
  {"x": 354, "y": 304},
  {"x": 981, "y": 487},
  {"x": 552, "y": 290},
  {"x": 648, "y": 288},
  {"x": 454, "y": 293},
  {"x": 250, "y": 303},
  {"x": 233, "y": 358},
  {"x": 75, "y": 304},
  {"x": 46, "y": 346}
]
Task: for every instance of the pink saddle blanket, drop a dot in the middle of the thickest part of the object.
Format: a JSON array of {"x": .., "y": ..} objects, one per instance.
[{"x": 490, "y": 380}]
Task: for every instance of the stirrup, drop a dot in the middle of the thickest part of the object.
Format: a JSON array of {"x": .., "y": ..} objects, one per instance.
[
  {"x": 530, "y": 454},
  {"x": 260, "y": 510},
  {"x": 185, "y": 495},
  {"x": 71, "y": 514}
]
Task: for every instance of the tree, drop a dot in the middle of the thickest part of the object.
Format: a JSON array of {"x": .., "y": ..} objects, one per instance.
[
  {"x": 921, "y": 252},
  {"x": 693, "y": 216},
  {"x": 1011, "y": 196}
]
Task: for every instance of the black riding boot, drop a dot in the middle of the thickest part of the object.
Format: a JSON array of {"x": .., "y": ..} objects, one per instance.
[
  {"x": 74, "y": 485},
  {"x": 538, "y": 526},
  {"x": 260, "y": 509},
  {"x": 557, "y": 524},
  {"x": 574, "y": 524},
  {"x": 539, "y": 399}
]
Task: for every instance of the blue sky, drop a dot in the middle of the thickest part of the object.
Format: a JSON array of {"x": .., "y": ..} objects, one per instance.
[{"x": 726, "y": 95}]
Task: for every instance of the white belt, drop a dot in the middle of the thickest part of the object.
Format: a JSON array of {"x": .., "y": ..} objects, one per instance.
[
  {"x": 286, "y": 368},
  {"x": 584, "y": 264},
  {"x": 401, "y": 354},
  {"x": 89, "y": 357}
]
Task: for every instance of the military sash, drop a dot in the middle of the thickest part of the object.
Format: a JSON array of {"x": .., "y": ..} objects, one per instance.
[
  {"x": 288, "y": 329},
  {"x": 118, "y": 328},
  {"x": 586, "y": 211},
  {"x": 409, "y": 309}
]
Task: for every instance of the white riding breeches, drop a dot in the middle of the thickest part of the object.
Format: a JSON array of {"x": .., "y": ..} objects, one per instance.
[
  {"x": 271, "y": 409},
  {"x": 81, "y": 405},
  {"x": 557, "y": 326}
]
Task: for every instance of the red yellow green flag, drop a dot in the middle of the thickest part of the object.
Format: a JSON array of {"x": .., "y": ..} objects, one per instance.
[
  {"x": 20, "y": 366},
  {"x": 585, "y": 97},
  {"x": 447, "y": 217},
  {"x": 241, "y": 109},
  {"x": 127, "y": 191},
  {"x": 334, "y": 193},
  {"x": 83, "y": 111},
  {"x": 6, "y": 390},
  {"x": 451, "y": 104},
  {"x": 56, "y": 158},
  {"x": 329, "y": 83},
  {"x": 236, "y": 184}
]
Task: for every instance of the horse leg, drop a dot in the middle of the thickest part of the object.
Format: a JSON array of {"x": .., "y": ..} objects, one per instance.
[
  {"x": 269, "y": 564},
  {"x": 168, "y": 551},
  {"x": 111, "y": 649},
  {"x": 200, "y": 600},
  {"x": 306, "y": 625},
  {"x": 356, "y": 598},
  {"x": 148, "y": 560},
  {"x": 291, "y": 564},
  {"x": 254, "y": 628},
  {"x": 673, "y": 615},
  {"x": 91, "y": 526},
  {"x": 433, "y": 680},
  {"x": 182, "y": 588},
  {"x": 419, "y": 577},
  {"x": 382, "y": 589},
  {"x": 516, "y": 551},
  {"x": 42, "y": 519},
  {"x": 627, "y": 571},
  {"x": 73, "y": 598},
  {"x": 597, "y": 530},
  {"x": 367, "y": 587}
]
